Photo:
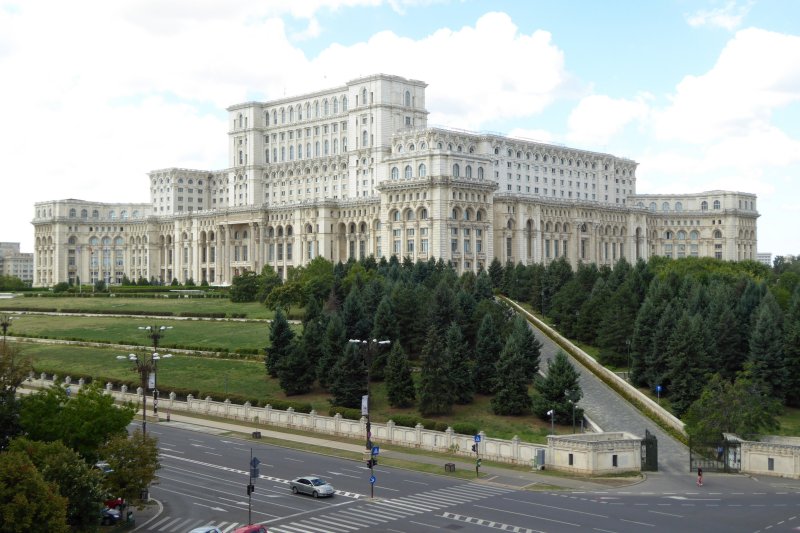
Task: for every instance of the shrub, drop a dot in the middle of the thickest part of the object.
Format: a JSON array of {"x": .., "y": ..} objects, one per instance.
[
  {"x": 466, "y": 428},
  {"x": 408, "y": 421},
  {"x": 346, "y": 412},
  {"x": 300, "y": 407}
]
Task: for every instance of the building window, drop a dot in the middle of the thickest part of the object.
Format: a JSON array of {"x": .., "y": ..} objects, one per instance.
[
  {"x": 422, "y": 171},
  {"x": 456, "y": 171},
  {"x": 716, "y": 204},
  {"x": 407, "y": 172}
]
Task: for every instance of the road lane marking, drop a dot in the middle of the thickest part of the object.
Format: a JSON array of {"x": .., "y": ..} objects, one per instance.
[
  {"x": 424, "y": 524},
  {"x": 155, "y": 487},
  {"x": 637, "y": 523},
  {"x": 667, "y": 514},
  {"x": 557, "y": 508},
  {"x": 488, "y": 523},
  {"x": 529, "y": 515},
  {"x": 416, "y": 482}
]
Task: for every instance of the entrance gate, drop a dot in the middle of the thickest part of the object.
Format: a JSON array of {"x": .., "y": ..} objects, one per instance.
[
  {"x": 720, "y": 456},
  {"x": 649, "y": 452}
]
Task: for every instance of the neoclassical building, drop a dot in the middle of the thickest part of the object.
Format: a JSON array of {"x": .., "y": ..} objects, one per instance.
[{"x": 355, "y": 171}]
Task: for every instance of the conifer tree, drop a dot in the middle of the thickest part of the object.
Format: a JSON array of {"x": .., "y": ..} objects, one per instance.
[
  {"x": 399, "y": 383},
  {"x": 281, "y": 337},
  {"x": 349, "y": 377},
  {"x": 357, "y": 323},
  {"x": 791, "y": 350},
  {"x": 456, "y": 353},
  {"x": 333, "y": 345},
  {"x": 296, "y": 372},
  {"x": 436, "y": 395},
  {"x": 559, "y": 390},
  {"x": 496, "y": 273},
  {"x": 688, "y": 366},
  {"x": 483, "y": 287},
  {"x": 488, "y": 346},
  {"x": 528, "y": 347},
  {"x": 511, "y": 396},
  {"x": 766, "y": 347}
]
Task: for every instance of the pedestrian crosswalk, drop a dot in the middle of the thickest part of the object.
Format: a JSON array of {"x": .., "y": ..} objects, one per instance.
[
  {"x": 181, "y": 523},
  {"x": 375, "y": 513}
]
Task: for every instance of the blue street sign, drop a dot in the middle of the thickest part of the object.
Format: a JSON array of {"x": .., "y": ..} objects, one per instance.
[
  {"x": 658, "y": 388},
  {"x": 477, "y": 438},
  {"x": 254, "y": 462},
  {"x": 372, "y": 479},
  {"x": 376, "y": 450}
]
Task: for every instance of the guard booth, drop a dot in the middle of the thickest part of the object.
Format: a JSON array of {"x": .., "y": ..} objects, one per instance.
[{"x": 649, "y": 452}]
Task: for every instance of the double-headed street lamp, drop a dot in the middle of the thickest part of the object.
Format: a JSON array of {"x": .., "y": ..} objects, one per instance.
[
  {"x": 146, "y": 366},
  {"x": 155, "y": 333},
  {"x": 5, "y": 323},
  {"x": 369, "y": 344}
]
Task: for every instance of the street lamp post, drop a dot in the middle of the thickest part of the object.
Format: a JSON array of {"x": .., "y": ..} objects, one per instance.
[
  {"x": 368, "y": 344},
  {"x": 155, "y": 333},
  {"x": 628, "y": 344},
  {"x": 5, "y": 323}
]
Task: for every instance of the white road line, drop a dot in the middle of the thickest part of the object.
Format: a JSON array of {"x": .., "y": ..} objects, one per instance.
[
  {"x": 424, "y": 524},
  {"x": 556, "y": 508},
  {"x": 529, "y": 516},
  {"x": 637, "y": 523},
  {"x": 416, "y": 482},
  {"x": 667, "y": 514}
]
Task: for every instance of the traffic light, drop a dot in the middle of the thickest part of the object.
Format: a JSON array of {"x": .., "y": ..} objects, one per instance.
[
  {"x": 251, "y": 489},
  {"x": 475, "y": 448},
  {"x": 478, "y": 464},
  {"x": 369, "y": 463}
]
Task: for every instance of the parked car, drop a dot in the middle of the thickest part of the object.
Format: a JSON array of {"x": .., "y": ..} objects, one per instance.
[
  {"x": 104, "y": 467},
  {"x": 109, "y": 516},
  {"x": 205, "y": 529},
  {"x": 252, "y": 528},
  {"x": 114, "y": 503},
  {"x": 312, "y": 485}
]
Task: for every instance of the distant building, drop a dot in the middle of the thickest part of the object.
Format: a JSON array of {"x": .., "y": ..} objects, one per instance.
[
  {"x": 764, "y": 257},
  {"x": 354, "y": 171},
  {"x": 15, "y": 263}
]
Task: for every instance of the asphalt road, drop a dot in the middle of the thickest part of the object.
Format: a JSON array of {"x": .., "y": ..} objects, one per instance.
[{"x": 204, "y": 476}]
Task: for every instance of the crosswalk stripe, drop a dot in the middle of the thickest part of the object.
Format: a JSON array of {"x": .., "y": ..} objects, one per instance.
[
  {"x": 337, "y": 522},
  {"x": 358, "y": 516},
  {"x": 318, "y": 529},
  {"x": 352, "y": 520},
  {"x": 376, "y": 515},
  {"x": 392, "y": 511},
  {"x": 179, "y": 526},
  {"x": 325, "y": 521},
  {"x": 415, "y": 506}
]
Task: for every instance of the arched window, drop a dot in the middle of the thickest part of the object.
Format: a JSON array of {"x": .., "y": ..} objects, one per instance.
[
  {"x": 363, "y": 97},
  {"x": 316, "y": 109},
  {"x": 291, "y": 114},
  {"x": 325, "y": 107},
  {"x": 364, "y": 139},
  {"x": 408, "y": 99},
  {"x": 335, "y": 146},
  {"x": 316, "y": 149},
  {"x": 112, "y": 215},
  {"x": 274, "y": 117},
  {"x": 396, "y": 216},
  {"x": 299, "y": 112},
  {"x": 73, "y": 213},
  {"x": 395, "y": 173},
  {"x": 123, "y": 215},
  {"x": 681, "y": 235},
  {"x": 344, "y": 103},
  {"x": 716, "y": 204},
  {"x": 409, "y": 215},
  {"x": 291, "y": 153},
  {"x": 326, "y": 147},
  {"x": 283, "y": 116},
  {"x": 703, "y": 206},
  {"x": 480, "y": 173},
  {"x": 73, "y": 240},
  {"x": 456, "y": 170},
  {"x": 468, "y": 171},
  {"x": 717, "y": 234},
  {"x": 653, "y": 206},
  {"x": 299, "y": 151},
  {"x": 479, "y": 216},
  {"x": 668, "y": 235},
  {"x": 335, "y": 106},
  {"x": 678, "y": 206},
  {"x": 95, "y": 214},
  {"x": 407, "y": 172},
  {"x": 665, "y": 206},
  {"x": 422, "y": 170},
  {"x": 84, "y": 214},
  {"x": 423, "y": 214},
  {"x": 694, "y": 235}
]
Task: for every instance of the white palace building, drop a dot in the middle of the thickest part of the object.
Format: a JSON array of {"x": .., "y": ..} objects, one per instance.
[{"x": 355, "y": 171}]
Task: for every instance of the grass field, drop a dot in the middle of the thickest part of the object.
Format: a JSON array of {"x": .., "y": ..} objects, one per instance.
[
  {"x": 248, "y": 378},
  {"x": 154, "y": 305},
  {"x": 191, "y": 334}
]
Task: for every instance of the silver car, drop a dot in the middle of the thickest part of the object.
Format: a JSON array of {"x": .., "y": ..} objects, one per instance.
[{"x": 311, "y": 485}]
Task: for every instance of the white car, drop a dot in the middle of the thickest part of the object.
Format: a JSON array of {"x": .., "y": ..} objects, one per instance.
[
  {"x": 312, "y": 485},
  {"x": 205, "y": 529}
]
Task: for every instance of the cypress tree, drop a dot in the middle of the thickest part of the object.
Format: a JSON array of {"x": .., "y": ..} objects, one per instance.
[
  {"x": 280, "y": 337},
  {"x": 399, "y": 383}
]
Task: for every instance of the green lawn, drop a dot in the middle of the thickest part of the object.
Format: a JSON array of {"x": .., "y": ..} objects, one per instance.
[
  {"x": 154, "y": 305},
  {"x": 190, "y": 334}
]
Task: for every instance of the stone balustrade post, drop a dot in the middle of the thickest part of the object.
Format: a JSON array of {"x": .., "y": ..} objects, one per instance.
[{"x": 418, "y": 428}]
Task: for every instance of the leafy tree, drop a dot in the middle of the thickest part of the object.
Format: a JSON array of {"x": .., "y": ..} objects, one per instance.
[
  {"x": 284, "y": 296},
  {"x": 349, "y": 377},
  {"x": 143, "y": 282},
  {"x": 134, "y": 462},
  {"x": 488, "y": 347},
  {"x": 766, "y": 347},
  {"x": 60, "y": 287},
  {"x": 100, "y": 285},
  {"x": 27, "y": 501},
  {"x": 333, "y": 346},
  {"x": 268, "y": 281},
  {"x": 13, "y": 369},
  {"x": 190, "y": 283},
  {"x": 511, "y": 397},
  {"x": 743, "y": 407},
  {"x": 399, "y": 383},
  {"x": 560, "y": 390},
  {"x": 84, "y": 421},
  {"x": 245, "y": 287},
  {"x": 281, "y": 338},
  {"x": 436, "y": 394},
  {"x": 79, "y": 484}
]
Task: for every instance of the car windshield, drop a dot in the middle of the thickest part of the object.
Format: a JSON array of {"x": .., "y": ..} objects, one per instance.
[{"x": 317, "y": 482}]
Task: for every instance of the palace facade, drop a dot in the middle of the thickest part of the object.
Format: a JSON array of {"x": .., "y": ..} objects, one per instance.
[{"x": 355, "y": 171}]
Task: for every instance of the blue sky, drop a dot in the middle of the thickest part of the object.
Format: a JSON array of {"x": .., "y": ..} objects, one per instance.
[{"x": 703, "y": 94}]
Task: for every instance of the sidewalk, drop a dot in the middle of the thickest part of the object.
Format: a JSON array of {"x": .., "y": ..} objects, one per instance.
[{"x": 489, "y": 474}]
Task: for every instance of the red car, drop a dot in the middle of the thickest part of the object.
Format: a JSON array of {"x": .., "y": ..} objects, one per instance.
[
  {"x": 114, "y": 503},
  {"x": 253, "y": 528}
]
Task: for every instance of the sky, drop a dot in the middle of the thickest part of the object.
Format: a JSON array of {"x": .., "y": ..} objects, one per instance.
[{"x": 703, "y": 94}]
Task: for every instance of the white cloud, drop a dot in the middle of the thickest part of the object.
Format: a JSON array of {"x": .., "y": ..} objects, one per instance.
[
  {"x": 756, "y": 74},
  {"x": 728, "y": 16},
  {"x": 598, "y": 117}
]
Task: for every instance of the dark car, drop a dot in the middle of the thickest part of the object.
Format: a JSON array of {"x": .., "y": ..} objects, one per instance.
[
  {"x": 109, "y": 516},
  {"x": 312, "y": 485},
  {"x": 252, "y": 528}
]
